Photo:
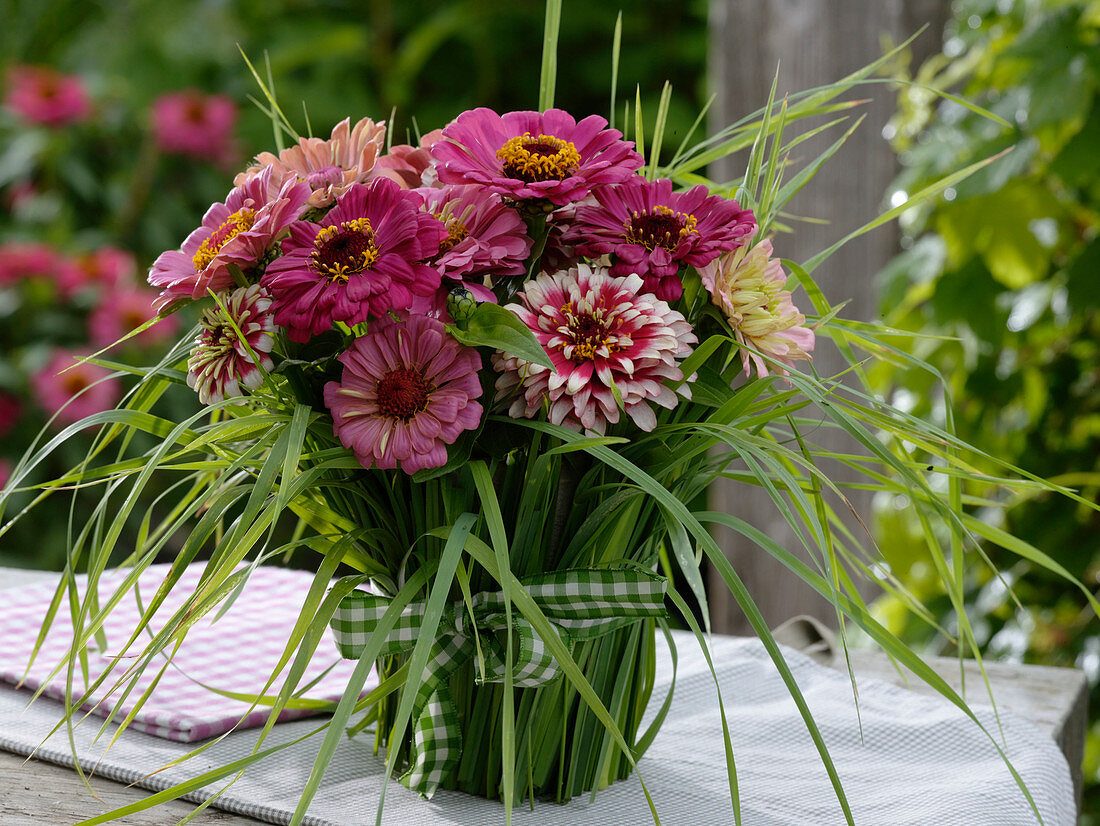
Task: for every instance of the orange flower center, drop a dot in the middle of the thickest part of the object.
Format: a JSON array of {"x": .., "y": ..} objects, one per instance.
[
  {"x": 231, "y": 227},
  {"x": 533, "y": 158},
  {"x": 659, "y": 227},
  {"x": 345, "y": 250},
  {"x": 403, "y": 393}
]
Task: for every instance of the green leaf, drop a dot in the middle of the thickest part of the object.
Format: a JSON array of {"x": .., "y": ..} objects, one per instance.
[{"x": 491, "y": 325}]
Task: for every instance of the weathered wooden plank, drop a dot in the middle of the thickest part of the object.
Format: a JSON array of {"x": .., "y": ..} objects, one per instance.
[
  {"x": 811, "y": 42},
  {"x": 34, "y": 793}
]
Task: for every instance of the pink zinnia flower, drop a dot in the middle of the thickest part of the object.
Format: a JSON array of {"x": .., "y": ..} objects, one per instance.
[
  {"x": 221, "y": 365},
  {"x": 750, "y": 288},
  {"x": 40, "y": 94},
  {"x": 124, "y": 309},
  {"x": 30, "y": 260},
  {"x": 363, "y": 259},
  {"x": 409, "y": 166},
  {"x": 650, "y": 230},
  {"x": 239, "y": 231},
  {"x": 10, "y": 411},
  {"x": 82, "y": 390},
  {"x": 407, "y": 391},
  {"x": 485, "y": 239},
  {"x": 191, "y": 123},
  {"x": 330, "y": 167},
  {"x": 600, "y": 332},
  {"x": 533, "y": 154},
  {"x": 106, "y": 268}
]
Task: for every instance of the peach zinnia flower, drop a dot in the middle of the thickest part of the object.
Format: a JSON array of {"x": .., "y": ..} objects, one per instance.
[
  {"x": 330, "y": 167},
  {"x": 750, "y": 288},
  {"x": 410, "y": 166},
  {"x": 601, "y": 333},
  {"x": 77, "y": 392},
  {"x": 41, "y": 94},
  {"x": 407, "y": 391}
]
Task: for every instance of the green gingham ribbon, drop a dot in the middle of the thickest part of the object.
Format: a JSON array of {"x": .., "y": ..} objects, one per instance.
[{"x": 581, "y": 604}]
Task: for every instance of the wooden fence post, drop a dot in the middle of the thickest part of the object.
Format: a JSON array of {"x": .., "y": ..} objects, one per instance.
[{"x": 813, "y": 42}]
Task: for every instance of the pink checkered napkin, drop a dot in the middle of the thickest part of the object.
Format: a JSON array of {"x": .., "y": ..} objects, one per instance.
[{"x": 235, "y": 653}]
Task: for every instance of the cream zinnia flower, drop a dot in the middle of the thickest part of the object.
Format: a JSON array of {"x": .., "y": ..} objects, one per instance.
[{"x": 749, "y": 287}]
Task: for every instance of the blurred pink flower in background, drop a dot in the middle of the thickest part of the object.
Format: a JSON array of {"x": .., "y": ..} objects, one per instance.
[
  {"x": 124, "y": 309},
  {"x": 194, "y": 124},
  {"x": 41, "y": 94},
  {"x": 5, "y": 472},
  {"x": 53, "y": 388},
  {"x": 20, "y": 260},
  {"x": 104, "y": 268},
  {"x": 10, "y": 411}
]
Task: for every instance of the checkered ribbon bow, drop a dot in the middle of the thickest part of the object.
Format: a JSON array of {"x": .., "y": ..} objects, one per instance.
[{"x": 581, "y": 605}]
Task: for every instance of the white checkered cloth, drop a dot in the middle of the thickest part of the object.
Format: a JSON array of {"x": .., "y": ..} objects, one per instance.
[
  {"x": 920, "y": 760},
  {"x": 180, "y": 707}
]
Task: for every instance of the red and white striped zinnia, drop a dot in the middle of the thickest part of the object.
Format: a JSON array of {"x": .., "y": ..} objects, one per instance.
[{"x": 601, "y": 333}]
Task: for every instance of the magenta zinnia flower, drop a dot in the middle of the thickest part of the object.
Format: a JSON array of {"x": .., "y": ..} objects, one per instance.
[
  {"x": 407, "y": 391},
  {"x": 238, "y": 232},
  {"x": 191, "y": 123},
  {"x": 363, "y": 259},
  {"x": 750, "y": 288},
  {"x": 81, "y": 390},
  {"x": 330, "y": 167},
  {"x": 600, "y": 332},
  {"x": 485, "y": 238},
  {"x": 652, "y": 231},
  {"x": 40, "y": 94},
  {"x": 533, "y": 154},
  {"x": 221, "y": 365}
]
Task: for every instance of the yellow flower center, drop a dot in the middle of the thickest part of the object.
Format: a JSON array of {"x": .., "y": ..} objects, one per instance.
[
  {"x": 456, "y": 232},
  {"x": 659, "y": 227},
  {"x": 231, "y": 227},
  {"x": 533, "y": 158},
  {"x": 588, "y": 333},
  {"x": 344, "y": 250}
]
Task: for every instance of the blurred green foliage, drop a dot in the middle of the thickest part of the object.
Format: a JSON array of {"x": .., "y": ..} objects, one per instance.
[
  {"x": 1000, "y": 279},
  {"x": 102, "y": 181}
]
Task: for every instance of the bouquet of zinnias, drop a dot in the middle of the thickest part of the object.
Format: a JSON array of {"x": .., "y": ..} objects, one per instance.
[
  {"x": 492, "y": 376},
  {"x": 463, "y": 317}
]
